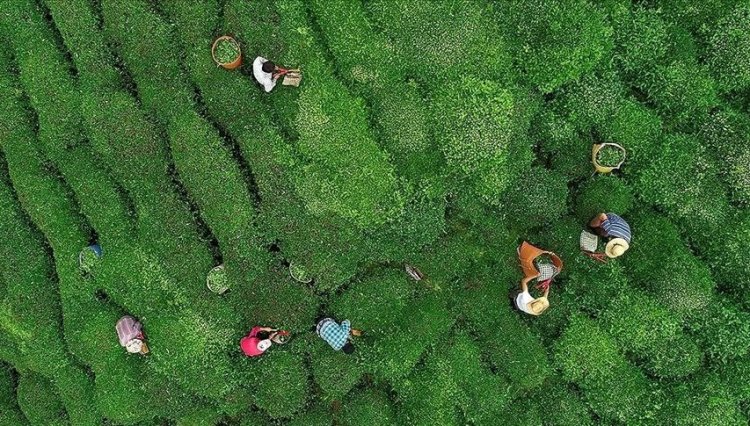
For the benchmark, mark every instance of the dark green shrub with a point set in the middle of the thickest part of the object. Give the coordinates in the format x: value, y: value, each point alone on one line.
x: 537, y: 196
x: 682, y: 91
x: 387, y: 293
x: 724, y: 133
x: 280, y: 383
x: 649, y: 331
x: 335, y: 372
x: 561, y: 146
x: 368, y: 408
x: 704, y: 400
x: 10, y: 413
x: 39, y: 401
x: 723, y: 330
x: 730, y: 50
x: 642, y: 38
x: 588, y: 357
x: 604, y: 193
x: 439, y: 40
x: 481, y: 124
x: 555, y: 42
x: 506, y: 342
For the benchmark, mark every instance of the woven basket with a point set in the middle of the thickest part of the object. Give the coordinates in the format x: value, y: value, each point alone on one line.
x: 606, y: 169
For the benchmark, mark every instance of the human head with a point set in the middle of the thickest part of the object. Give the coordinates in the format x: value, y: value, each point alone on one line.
x: 264, y: 344
x: 134, y: 346
x: 269, y: 67
x: 539, y: 305
x: 616, y: 247
x: 348, y: 348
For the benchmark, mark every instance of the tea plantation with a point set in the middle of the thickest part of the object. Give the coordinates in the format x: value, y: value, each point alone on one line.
x: 433, y: 133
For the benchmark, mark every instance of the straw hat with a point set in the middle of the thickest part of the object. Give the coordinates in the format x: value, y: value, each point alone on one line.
x: 539, y: 305
x: 616, y: 247
x: 264, y: 344
x: 134, y: 346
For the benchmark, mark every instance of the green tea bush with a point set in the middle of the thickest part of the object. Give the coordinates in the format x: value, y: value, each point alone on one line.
x: 439, y: 40
x: 39, y: 402
x: 638, y: 129
x: 439, y: 134
x: 555, y: 42
x: 536, y: 196
x: 682, y: 90
x: 723, y: 330
x: 642, y: 39
x: 723, y: 133
x: 428, y: 395
x: 335, y: 372
x: 730, y: 50
x: 483, y: 394
x: 588, y: 357
x: 10, y: 413
x: 481, y: 125
x: 505, y: 340
x: 397, y: 352
x: 368, y: 408
x: 707, y: 400
x: 396, y: 105
x: 280, y: 385
x: 561, y: 145
x: 672, y: 274
x: 388, y: 292
x: 649, y: 331
x: 603, y: 194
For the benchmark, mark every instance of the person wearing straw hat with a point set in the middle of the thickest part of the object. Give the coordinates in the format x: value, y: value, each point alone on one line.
x: 130, y: 334
x: 525, y: 302
x: 612, y: 226
x: 257, y: 342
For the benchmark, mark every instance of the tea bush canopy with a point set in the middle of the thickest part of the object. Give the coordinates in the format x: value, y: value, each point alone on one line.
x: 438, y: 134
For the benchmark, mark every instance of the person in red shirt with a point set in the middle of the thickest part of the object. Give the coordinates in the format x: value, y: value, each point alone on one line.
x: 260, y: 339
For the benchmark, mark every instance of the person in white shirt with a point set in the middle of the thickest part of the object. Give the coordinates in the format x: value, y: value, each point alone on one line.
x: 527, y: 303
x: 263, y: 71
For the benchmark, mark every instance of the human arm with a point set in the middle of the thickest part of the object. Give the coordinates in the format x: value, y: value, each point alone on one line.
x: 525, y: 283
x: 597, y: 221
x: 346, y: 327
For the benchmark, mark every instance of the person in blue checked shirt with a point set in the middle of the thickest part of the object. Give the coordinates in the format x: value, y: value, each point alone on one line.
x: 337, y: 335
x: 612, y: 226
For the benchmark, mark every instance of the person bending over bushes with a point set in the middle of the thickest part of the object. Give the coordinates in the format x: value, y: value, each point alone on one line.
x: 130, y: 334
x: 260, y: 339
x: 337, y: 335
x: 612, y: 226
x: 266, y: 73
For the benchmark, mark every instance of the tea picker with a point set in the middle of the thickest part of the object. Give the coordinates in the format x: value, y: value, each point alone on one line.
x: 130, y: 335
x: 267, y: 73
x: 536, y: 264
x: 338, y: 336
x: 612, y: 227
x: 260, y: 339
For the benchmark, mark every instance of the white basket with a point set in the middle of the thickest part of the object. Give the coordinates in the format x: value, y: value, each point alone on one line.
x: 589, y: 242
x: 214, y: 288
